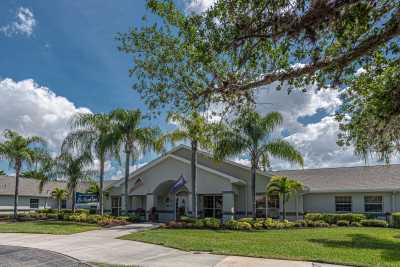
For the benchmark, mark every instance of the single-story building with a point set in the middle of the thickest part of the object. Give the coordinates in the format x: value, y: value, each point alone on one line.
x: 30, y: 197
x: 162, y: 188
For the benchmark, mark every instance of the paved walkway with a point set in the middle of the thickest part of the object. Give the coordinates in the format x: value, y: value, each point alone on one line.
x: 101, y: 246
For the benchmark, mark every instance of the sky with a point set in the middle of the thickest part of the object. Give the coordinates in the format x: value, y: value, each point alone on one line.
x: 58, y: 58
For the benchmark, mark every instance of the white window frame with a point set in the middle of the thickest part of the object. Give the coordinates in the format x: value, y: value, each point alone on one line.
x: 343, y: 203
x: 34, y: 206
x: 374, y: 203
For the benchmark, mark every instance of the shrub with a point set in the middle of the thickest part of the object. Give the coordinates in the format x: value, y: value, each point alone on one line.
x: 355, y: 224
x: 313, y: 217
x: 187, y: 219
x: 244, y: 226
x: 258, y: 225
x: 53, y: 216
x: 300, y: 223
x: 212, y: 223
x: 248, y: 220
x: 374, y: 223
x: 343, y: 223
x: 134, y: 218
x: 46, y: 211
x: 396, y: 219
x: 198, y: 224
x: 232, y: 225
x: 333, y: 218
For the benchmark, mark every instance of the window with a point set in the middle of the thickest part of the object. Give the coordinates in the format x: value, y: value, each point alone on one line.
x: 273, y: 204
x: 260, y: 206
x: 34, y: 203
x: 343, y: 203
x: 373, y: 203
x: 64, y: 204
x: 212, y: 206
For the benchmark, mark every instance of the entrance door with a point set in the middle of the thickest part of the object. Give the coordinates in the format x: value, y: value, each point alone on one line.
x: 116, y: 206
x: 181, y: 204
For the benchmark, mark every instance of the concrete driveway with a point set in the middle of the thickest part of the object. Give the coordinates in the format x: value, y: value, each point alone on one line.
x: 101, y: 246
x: 24, y: 257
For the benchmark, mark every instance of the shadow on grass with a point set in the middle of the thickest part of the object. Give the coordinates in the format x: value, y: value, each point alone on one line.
x: 390, y: 248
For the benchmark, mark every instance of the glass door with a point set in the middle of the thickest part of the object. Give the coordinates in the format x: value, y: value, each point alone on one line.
x: 116, y: 206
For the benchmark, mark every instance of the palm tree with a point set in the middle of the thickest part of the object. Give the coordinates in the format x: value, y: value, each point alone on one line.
x: 2, y: 172
x: 128, y: 133
x: 75, y: 169
x: 195, y: 129
x: 92, y: 132
x: 250, y: 133
x: 18, y: 150
x: 59, y: 194
x: 94, y: 188
x: 285, y: 187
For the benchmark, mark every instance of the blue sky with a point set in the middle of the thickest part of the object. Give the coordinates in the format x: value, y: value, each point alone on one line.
x: 60, y: 57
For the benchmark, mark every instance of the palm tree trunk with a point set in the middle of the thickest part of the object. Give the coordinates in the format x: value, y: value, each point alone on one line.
x: 253, y: 187
x: 128, y: 153
x: 17, y: 171
x: 283, y: 207
x: 101, y: 209
x: 194, y: 174
x: 73, y: 200
x: 59, y: 204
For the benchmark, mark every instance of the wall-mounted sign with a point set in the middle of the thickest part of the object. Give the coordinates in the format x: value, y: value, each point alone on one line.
x: 82, y: 198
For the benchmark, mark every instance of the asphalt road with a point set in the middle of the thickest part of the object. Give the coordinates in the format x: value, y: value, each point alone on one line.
x: 12, y: 256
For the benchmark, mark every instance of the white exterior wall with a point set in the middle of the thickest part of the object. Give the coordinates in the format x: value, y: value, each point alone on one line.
x: 325, y: 202
x: 7, y: 203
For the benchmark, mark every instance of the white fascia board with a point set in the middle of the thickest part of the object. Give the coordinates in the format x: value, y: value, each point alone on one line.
x: 164, y: 157
x: 379, y: 190
x: 230, y: 178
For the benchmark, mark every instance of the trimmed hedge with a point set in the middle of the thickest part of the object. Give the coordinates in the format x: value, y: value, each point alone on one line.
x: 374, y: 223
x: 396, y: 219
x: 333, y: 218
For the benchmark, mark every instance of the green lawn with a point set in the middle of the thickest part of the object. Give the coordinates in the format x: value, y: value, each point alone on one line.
x: 46, y: 227
x: 353, y: 246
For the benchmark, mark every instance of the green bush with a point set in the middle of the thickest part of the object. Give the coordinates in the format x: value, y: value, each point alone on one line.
x: 333, y: 218
x: 187, y: 219
x: 198, y: 224
x: 53, y: 216
x: 313, y: 217
x: 212, y: 223
x: 248, y: 220
x: 134, y: 218
x: 300, y: 223
x: 343, y: 223
x: 232, y: 225
x: 258, y: 225
x: 356, y: 224
x: 244, y: 226
x: 374, y: 223
x: 45, y: 211
x: 396, y: 219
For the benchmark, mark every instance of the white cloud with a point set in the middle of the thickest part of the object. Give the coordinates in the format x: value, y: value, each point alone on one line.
x: 198, y: 6
x: 120, y: 172
x: 24, y: 23
x: 32, y: 109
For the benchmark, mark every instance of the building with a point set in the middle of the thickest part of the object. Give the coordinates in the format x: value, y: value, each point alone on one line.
x: 30, y: 197
x: 223, y: 189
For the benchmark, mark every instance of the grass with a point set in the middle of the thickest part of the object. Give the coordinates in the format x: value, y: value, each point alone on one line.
x: 345, y: 245
x: 46, y: 227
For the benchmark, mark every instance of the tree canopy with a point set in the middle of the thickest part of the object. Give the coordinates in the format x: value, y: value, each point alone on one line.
x: 223, y: 54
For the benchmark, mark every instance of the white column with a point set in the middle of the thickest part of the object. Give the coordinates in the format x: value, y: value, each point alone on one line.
x: 297, y: 206
x: 393, y: 201
x: 228, y: 205
x: 150, y: 203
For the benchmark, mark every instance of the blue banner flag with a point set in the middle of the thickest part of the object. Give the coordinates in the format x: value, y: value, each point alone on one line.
x: 179, y: 183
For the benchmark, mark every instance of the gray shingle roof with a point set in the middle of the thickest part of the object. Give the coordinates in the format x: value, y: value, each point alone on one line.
x: 30, y: 187
x: 348, y: 179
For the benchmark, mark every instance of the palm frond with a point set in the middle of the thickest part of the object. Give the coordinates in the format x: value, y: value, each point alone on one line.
x: 284, y: 150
